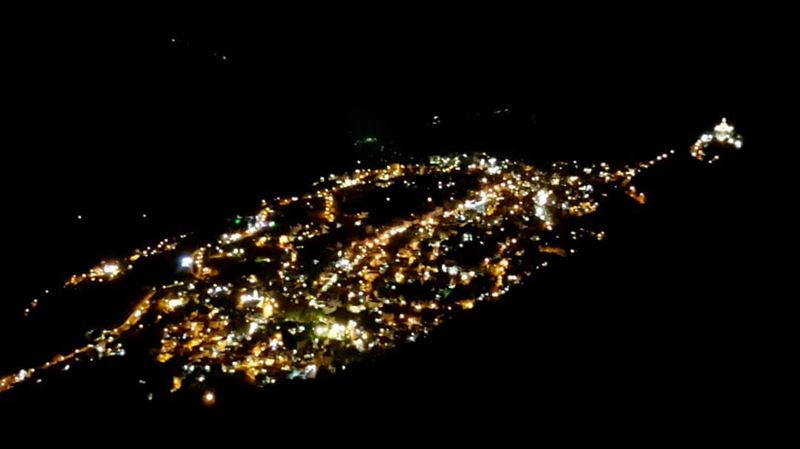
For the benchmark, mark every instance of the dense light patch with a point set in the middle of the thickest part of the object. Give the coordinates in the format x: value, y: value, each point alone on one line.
x: 369, y: 260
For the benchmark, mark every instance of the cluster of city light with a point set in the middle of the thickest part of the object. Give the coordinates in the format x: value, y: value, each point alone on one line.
x: 723, y: 134
x: 371, y: 259
x: 108, y: 270
x: 111, y: 269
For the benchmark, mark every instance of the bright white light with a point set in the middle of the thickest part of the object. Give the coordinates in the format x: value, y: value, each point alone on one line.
x: 310, y: 371
x: 473, y: 205
x: 344, y: 264
x: 209, y: 398
x: 187, y: 262
x: 173, y: 303
x: 253, y: 297
x: 542, y: 197
x: 335, y: 331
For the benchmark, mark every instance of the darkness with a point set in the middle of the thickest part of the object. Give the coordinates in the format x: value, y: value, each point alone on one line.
x: 686, y: 308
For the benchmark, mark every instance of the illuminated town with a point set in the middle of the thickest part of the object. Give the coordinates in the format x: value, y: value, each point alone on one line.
x: 368, y: 261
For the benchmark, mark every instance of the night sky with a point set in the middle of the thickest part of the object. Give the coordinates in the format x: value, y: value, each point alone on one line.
x: 114, y: 141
